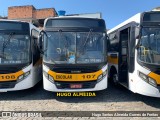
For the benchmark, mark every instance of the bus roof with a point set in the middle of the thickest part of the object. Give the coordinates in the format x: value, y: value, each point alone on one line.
x: 72, y: 17
x: 13, y: 20
x: 30, y: 24
x: 61, y: 17
x: 136, y: 18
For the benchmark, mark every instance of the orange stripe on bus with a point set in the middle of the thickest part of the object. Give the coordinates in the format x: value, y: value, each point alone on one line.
x: 75, y: 77
x: 10, y: 77
x: 154, y: 76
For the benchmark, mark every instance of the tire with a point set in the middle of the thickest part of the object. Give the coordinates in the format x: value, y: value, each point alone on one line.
x: 115, y: 79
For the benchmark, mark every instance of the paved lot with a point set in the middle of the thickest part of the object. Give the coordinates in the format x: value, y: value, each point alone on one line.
x: 111, y: 99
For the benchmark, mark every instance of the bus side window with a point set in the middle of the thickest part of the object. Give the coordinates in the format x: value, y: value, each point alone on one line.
x: 113, y: 42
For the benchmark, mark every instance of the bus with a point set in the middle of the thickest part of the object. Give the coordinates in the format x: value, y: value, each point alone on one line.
x: 74, y: 54
x: 20, y: 60
x: 134, y: 54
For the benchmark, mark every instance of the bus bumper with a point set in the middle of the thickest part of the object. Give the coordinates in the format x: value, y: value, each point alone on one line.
x: 145, y: 88
x: 21, y: 85
x: 49, y: 86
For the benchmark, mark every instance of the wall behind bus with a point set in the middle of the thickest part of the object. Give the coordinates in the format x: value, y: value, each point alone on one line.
x: 29, y: 13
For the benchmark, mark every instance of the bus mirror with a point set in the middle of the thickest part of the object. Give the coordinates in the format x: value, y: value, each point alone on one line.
x: 39, y: 44
x: 108, y: 44
x: 137, y: 30
x: 42, y: 41
x: 137, y: 46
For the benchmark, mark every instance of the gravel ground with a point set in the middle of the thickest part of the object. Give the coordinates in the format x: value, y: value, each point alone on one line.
x: 111, y: 99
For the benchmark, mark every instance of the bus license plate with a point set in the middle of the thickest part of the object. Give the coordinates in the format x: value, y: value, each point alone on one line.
x: 75, y: 86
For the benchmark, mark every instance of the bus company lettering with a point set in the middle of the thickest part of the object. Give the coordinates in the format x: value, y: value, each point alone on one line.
x: 64, y: 94
x: 76, y: 94
x: 63, y: 77
x: 84, y: 94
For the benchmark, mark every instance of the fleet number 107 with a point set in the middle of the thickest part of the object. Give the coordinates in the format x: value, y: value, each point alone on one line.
x: 88, y: 76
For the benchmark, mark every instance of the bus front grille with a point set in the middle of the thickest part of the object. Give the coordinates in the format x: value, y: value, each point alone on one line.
x: 5, y: 85
x: 69, y: 70
x: 157, y: 72
x: 66, y: 85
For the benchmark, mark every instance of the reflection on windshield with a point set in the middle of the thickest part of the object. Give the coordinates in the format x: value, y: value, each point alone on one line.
x: 149, y: 50
x: 15, y: 50
x: 72, y: 48
x: 90, y: 50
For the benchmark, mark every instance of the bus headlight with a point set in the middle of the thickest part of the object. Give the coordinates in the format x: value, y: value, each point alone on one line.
x: 26, y: 74
x: 50, y: 78
x: 105, y: 73
x: 23, y: 76
x: 20, y: 77
x: 152, y: 82
x: 101, y: 76
x: 45, y: 74
x: 143, y: 76
x: 148, y: 79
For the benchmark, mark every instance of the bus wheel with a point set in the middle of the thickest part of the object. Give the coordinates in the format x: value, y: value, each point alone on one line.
x: 115, y: 79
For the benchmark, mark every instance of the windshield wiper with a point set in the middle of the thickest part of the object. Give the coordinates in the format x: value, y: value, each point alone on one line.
x: 6, y: 42
x: 88, y: 36
x: 60, y: 36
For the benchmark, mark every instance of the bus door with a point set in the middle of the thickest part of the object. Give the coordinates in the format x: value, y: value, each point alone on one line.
x: 123, y: 56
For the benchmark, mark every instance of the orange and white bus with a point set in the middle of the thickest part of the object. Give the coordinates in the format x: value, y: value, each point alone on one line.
x: 74, y: 57
x: 134, y: 54
x: 20, y: 66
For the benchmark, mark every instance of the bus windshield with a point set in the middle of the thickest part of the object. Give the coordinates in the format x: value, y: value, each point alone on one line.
x: 14, y: 49
x: 149, y: 50
x: 75, y: 48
